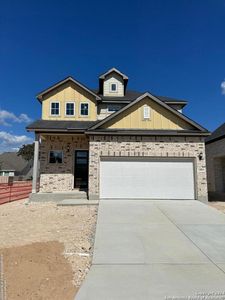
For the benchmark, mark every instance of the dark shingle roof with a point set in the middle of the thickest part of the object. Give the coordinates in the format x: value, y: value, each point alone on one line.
x: 217, y: 134
x: 129, y: 96
x: 133, y: 95
x: 48, y: 125
x: 169, y: 99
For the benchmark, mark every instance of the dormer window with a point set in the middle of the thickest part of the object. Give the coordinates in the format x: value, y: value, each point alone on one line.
x: 113, y: 83
x: 113, y: 87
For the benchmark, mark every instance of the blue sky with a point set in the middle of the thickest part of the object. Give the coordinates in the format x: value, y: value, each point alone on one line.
x: 172, y: 48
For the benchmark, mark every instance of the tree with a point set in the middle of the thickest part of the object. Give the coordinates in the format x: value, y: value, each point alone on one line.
x: 26, y: 151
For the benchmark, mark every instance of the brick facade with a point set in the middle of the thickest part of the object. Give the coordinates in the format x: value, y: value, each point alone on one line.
x: 59, y: 177
x: 153, y: 146
x: 215, y: 159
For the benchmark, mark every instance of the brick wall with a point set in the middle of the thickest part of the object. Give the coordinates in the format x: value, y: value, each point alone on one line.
x: 59, y: 177
x: 215, y: 160
x: 146, y: 146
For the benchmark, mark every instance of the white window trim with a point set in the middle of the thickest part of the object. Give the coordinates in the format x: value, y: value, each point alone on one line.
x: 146, y: 117
x: 84, y: 116
x: 50, y: 113
x: 55, y: 150
x: 110, y: 87
x: 74, y: 109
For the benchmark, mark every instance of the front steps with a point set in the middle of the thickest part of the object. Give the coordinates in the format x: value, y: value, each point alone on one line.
x: 74, y: 202
x: 58, y: 196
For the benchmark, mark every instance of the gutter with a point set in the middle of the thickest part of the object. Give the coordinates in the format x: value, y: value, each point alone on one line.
x: 147, y: 133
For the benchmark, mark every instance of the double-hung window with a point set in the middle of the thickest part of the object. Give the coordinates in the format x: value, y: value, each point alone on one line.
x: 84, y: 109
x: 55, y: 109
x: 70, y: 109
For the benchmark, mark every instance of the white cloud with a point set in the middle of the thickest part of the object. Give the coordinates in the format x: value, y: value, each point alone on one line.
x: 10, y: 142
x: 223, y: 87
x: 6, y: 117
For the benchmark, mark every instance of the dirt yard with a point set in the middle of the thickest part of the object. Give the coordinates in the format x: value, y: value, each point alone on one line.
x: 218, y: 205
x: 46, y: 250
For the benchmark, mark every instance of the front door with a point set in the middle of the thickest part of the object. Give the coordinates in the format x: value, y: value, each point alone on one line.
x: 81, y: 169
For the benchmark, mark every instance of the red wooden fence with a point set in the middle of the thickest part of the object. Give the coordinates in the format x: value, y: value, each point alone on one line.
x: 14, y: 191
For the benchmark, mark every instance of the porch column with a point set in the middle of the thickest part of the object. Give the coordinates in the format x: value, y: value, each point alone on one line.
x: 35, y: 166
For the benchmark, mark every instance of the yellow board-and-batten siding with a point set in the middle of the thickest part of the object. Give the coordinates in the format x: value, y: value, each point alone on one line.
x: 133, y: 118
x: 69, y: 92
x: 160, y: 118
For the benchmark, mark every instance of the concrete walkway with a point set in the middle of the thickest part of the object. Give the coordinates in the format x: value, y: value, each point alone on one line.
x: 156, y: 250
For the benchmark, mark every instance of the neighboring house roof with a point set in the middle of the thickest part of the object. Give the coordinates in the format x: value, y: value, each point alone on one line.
x: 154, y: 98
x: 72, y: 126
x: 67, y: 79
x: 217, y: 134
x: 10, y: 161
x: 103, y: 76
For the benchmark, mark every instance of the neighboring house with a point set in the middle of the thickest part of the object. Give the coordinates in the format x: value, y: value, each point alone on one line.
x: 7, y: 172
x: 13, y: 165
x: 118, y: 143
x: 215, y: 159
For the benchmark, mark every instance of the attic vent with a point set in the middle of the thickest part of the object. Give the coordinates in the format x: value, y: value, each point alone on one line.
x: 146, y: 112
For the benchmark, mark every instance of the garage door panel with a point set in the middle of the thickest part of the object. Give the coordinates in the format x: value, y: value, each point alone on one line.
x: 146, y: 179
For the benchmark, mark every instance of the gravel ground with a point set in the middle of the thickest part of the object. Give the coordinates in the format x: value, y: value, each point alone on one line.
x: 25, y: 223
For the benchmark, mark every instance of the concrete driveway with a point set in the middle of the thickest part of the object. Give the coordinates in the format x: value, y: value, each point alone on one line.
x: 157, y: 250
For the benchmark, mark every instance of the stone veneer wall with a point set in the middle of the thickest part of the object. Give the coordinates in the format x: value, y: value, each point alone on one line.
x: 215, y: 161
x: 59, y: 177
x: 153, y: 146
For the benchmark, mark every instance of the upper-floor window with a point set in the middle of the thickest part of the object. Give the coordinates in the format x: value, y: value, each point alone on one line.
x: 146, y: 112
x: 113, y: 87
x: 84, y: 109
x: 70, y: 109
x: 55, y: 109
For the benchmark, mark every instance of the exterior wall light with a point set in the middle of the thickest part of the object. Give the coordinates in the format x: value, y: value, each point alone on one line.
x: 200, y: 156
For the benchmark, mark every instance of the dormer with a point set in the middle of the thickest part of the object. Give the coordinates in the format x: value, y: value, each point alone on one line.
x: 113, y: 83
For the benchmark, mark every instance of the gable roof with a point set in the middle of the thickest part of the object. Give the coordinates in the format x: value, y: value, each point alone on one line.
x: 154, y: 98
x: 217, y: 134
x: 113, y: 70
x: 61, y: 82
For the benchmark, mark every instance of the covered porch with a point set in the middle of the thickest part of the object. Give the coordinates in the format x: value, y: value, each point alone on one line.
x: 61, y: 164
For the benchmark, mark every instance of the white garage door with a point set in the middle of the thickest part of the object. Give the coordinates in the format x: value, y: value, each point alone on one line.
x: 137, y: 178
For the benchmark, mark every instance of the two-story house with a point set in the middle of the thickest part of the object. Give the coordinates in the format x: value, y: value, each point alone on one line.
x: 117, y: 143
